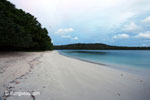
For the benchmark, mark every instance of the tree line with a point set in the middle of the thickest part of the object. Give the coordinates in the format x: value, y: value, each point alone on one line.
x: 96, y: 46
x: 20, y: 30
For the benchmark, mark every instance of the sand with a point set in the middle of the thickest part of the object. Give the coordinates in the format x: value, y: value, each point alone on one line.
x: 51, y: 76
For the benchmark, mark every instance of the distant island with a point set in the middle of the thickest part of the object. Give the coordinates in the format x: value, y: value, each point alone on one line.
x: 96, y: 46
x: 20, y: 30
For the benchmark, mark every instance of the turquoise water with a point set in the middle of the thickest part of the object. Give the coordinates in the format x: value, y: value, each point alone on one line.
x: 131, y: 58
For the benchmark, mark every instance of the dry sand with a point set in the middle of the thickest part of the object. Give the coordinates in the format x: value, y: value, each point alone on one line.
x: 56, y: 77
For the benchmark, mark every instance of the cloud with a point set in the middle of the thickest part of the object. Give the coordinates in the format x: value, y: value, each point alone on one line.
x: 75, y: 38
x: 145, y: 35
x: 66, y: 30
x: 131, y: 27
x: 146, y: 20
x: 144, y: 45
x: 60, y: 12
x: 66, y: 36
x: 122, y: 36
x: 90, y: 17
x: 69, y: 37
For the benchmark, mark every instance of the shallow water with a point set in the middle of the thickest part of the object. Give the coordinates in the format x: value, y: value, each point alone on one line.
x: 134, y: 59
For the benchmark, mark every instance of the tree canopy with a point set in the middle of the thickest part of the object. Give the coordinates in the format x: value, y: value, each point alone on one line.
x: 96, y: 46
x: 20, y: 30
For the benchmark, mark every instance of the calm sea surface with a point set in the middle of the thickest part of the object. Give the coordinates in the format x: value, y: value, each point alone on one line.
x: 133, y: 59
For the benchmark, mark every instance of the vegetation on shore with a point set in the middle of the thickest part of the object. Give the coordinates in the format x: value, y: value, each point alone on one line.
x: 20, y: 30
x: 96, y: 46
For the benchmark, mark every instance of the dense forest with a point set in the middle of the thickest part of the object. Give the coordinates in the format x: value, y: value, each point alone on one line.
x: 20, y: 30
x: 96, y: 46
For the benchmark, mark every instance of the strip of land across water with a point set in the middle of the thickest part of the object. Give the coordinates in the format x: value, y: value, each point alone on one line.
x: 52, y: 76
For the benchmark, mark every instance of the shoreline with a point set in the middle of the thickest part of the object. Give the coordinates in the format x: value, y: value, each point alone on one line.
x: 126, y: 68
x: 59, y: 77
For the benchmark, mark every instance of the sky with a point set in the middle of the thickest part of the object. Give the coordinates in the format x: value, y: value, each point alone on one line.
x: 113, y: 22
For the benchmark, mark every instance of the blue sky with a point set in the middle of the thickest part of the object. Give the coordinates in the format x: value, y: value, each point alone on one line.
x: 114, y: 22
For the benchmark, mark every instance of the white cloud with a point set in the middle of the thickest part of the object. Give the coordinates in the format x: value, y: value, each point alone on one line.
x: 57, y: 12
x: 144, y: 45
x: 75, y: 38
x: 131, y: 27
x: 145, y: 35
x: 122, y: 36
x: 52, y: 41
x: 146, y: 20
x: 69, y: 37
x: 66, y: 30
x: 66, y: 36
x: 84, y: 15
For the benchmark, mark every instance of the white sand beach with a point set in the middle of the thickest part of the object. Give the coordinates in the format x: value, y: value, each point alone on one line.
x: 56, y: 77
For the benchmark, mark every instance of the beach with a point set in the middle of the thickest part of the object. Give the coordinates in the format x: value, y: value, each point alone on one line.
x: 52, y: 76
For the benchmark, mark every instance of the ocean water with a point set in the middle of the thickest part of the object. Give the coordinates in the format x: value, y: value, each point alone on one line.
x: 127, y: 59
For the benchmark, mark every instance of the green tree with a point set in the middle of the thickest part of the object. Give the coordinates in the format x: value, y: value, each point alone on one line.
x: 20, y: 30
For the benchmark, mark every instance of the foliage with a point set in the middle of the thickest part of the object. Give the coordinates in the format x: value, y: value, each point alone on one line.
x: 96, y: 46
x: 20, y: 30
